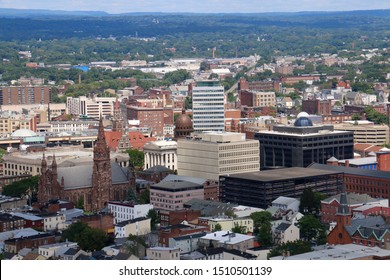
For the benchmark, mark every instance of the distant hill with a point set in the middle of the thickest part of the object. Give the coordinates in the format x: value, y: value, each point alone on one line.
x: 27, y: 13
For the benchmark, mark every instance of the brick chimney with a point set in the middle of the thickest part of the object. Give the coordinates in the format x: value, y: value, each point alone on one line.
x: 383, y: 161
x: 346, y: 163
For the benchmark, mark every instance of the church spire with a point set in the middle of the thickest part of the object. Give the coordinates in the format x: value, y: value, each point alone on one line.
x: 343, y: 214
x: 101, y: 150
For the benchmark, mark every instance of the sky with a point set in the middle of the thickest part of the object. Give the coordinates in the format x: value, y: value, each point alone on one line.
x: 198, y: 6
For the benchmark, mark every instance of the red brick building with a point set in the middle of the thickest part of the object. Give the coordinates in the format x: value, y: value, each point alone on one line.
x: 9, y: 222
x: 168, y: 218
x: 16, y: 244
x: 177, y: 230
x: 375, y: 183
x: 152, y: 118
x: 16, y: 95
x: 317, y: 107
x: 330, y: 206
x: 259, y: 85
x: 105, y: 222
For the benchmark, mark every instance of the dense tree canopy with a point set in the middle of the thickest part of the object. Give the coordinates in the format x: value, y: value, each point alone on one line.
x: 89, y: 239
x: 26, y: 187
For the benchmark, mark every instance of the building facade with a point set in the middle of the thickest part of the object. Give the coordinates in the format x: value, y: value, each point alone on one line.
x: 94, y: 184
x: 171, y: 195
x: 210, y: 155
x: 259, y: 189
x: 123, y: 211
x: 208, y: 106
x: 15, y: 95
x: 366, y: 132
x: 161, y: 153
x: 302, y: 144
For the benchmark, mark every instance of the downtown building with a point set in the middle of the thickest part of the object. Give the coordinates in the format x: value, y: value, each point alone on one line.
x: 212, y: 154
x: 302, y: 144
x: 208, y: 106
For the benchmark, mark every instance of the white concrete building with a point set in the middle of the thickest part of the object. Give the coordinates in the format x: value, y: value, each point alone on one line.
x: 72, y: 126
x: 212, y: 154
x: 54, y: 222
x: 56, y: 250
x: 138, y: 226
x: 285, y: 232
x: 286, y: 203
x: 163, y: 253
x: 161, y: 153
x: 208, y: 106
x: 126, y: 211
x: 186, y: 243
x: 99, y: 106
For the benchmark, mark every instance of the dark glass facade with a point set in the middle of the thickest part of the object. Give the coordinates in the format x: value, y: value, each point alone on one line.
x: 300, y: 147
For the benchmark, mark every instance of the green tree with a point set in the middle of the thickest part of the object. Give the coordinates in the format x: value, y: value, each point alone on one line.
x: 135, y: 245
x: 262, y: 227
x: 89, y: 239
x: 230, y: 213
x: 25, y: 187
x: 80, y: 202
x: 154, y: 218
x: 136, y: 158
x: 217, y: 227
x: 144, y: 197
x: 188, y: 103
x: 311, y: 229
x: 238, y: 229
x: 293, y: 247
x: 311, y: 201
x: 176, y: 77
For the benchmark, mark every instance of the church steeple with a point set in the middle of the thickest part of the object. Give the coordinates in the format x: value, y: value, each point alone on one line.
x: 117, y: 120
x: 101, y: 151
x: 101, y: 173
x: 343, y: 214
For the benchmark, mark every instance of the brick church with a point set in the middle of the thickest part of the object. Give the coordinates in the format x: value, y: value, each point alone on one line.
x: 94, y: 183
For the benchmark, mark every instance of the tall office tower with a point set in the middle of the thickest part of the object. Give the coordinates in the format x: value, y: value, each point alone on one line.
x: 208, y: 106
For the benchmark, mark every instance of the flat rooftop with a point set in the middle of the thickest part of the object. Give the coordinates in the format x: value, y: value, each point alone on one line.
x: 283, y: 174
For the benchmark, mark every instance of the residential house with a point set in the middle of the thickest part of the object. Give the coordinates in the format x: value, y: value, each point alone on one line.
x: 186, y: 243
x: 285, y: 232
x: 227, y: 240
x: 163, y: 253
x: 138, y: 226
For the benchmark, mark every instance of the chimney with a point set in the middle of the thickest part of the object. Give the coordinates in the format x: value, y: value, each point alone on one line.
x: 346, y: 163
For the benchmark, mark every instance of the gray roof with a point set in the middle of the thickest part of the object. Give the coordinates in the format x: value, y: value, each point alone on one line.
x: 353, y: 198
x: 81, y: 176
x: 157, y: 169
x: 282, y: 227
x: 369, y: 222
x: 172, y: 177
x: 189, y: 236
x: 351, y: 170
x: 175, y: 185
x: 284, y: 200
x: 209, y: 207
x: 283, y: 174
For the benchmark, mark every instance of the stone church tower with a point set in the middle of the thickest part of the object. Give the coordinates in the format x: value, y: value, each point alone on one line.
x: 101, y: 173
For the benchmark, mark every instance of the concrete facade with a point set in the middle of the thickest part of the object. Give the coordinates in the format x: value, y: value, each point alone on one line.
x: 161, y: 153
x: 210, y: 155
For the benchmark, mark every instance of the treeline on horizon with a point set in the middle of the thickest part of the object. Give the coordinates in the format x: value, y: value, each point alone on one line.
x: 74, y: 38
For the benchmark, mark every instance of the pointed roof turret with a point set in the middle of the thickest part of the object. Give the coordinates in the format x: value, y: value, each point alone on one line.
x: 343, y: 208
x: 44, y: 162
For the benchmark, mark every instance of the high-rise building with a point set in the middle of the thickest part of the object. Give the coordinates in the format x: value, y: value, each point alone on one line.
x: 15, y: 95
x: 302, y: 144
x: 208, y: 106
x: 210, y: 155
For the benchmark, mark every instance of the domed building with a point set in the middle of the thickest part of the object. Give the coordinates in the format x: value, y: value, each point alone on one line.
x: 183, y: 126
x: 303, y: 121
x: 22, y: 133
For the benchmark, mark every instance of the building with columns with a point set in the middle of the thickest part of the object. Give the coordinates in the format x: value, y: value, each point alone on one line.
x: 161, y: 153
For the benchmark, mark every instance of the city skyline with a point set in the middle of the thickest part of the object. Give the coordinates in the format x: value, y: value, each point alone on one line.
x: 200, y: 6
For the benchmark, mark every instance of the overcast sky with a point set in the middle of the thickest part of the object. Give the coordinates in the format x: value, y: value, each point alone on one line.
x: 198, y: 6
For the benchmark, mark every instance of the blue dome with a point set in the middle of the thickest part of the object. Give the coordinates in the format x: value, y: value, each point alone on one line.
x: 303, y: 121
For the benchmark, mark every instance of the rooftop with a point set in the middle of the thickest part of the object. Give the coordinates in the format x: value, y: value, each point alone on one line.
x: 227, y: 237
x: 351, y: 170
x: 283, y: 174
x: 340, y: 252
x: 354, y: 199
